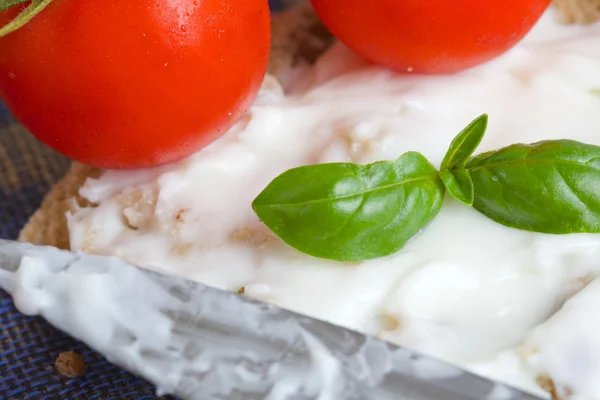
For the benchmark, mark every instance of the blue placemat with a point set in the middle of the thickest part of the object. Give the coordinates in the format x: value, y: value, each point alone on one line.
x: 29, y: 346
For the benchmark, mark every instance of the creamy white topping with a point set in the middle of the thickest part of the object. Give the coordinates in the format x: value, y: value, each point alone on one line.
x: 466, y: 289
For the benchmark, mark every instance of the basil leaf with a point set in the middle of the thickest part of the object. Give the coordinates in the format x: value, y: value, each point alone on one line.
x: 465, y: 143
x: 459, y: 184
x: 349, y: 212
x: 549, y: 187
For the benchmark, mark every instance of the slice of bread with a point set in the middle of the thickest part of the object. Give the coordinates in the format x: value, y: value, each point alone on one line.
x: 297, y: 37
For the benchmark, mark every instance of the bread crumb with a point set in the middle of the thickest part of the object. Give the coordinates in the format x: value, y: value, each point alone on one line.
x: 585, y: 280
x: 70, y: 364
x: 181, y: 249
x: 138, y: 207
x: 241, y: 290
x: 528, y: 350
x: 578, y: 11
x: 179, y: 215
x: 389, y: 322
x: 89, y: 241
x: 250, y: 236
x: 548, y: 385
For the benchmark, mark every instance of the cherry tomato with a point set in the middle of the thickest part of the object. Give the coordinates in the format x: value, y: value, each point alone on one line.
x: 135, y: 83
x: 430, y: 36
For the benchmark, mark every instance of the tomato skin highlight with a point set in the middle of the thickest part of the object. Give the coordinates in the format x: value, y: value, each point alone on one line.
x: 434, y: 36
x: 136, y: 83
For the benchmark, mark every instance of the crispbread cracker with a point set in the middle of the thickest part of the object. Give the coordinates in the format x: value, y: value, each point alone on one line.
x: 48, y: 225
x: 296, y: 36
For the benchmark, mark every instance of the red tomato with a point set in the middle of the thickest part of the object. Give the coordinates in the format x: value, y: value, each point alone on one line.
x: 135, y: 83
x: 430, y: 36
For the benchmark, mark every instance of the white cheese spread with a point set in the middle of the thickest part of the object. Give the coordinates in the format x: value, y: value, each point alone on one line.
x: 465, y: 289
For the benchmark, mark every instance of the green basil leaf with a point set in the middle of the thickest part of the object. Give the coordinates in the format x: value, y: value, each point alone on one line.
x: 6, y: 4
x: 465, y: 143
x: 349, y: 212
x: 549, y: 187
x: 459, y: 184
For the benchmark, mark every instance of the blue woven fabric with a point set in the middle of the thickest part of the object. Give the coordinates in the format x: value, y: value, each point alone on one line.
x: 30, y: 346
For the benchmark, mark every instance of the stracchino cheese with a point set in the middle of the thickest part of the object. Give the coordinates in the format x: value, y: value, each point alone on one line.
x: 465, y: 289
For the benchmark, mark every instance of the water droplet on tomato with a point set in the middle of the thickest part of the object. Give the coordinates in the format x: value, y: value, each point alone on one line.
x: 12, y: 75
x: 183, y: 28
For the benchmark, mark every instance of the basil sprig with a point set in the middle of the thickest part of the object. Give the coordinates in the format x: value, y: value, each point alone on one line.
x: 453, y: 173
x: 350, y: 212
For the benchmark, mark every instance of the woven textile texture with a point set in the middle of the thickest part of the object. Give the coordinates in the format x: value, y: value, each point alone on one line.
x: 30, y: 346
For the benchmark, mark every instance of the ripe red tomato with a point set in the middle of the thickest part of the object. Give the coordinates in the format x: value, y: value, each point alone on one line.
x: 430, y: 36
x: 135, y: 83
